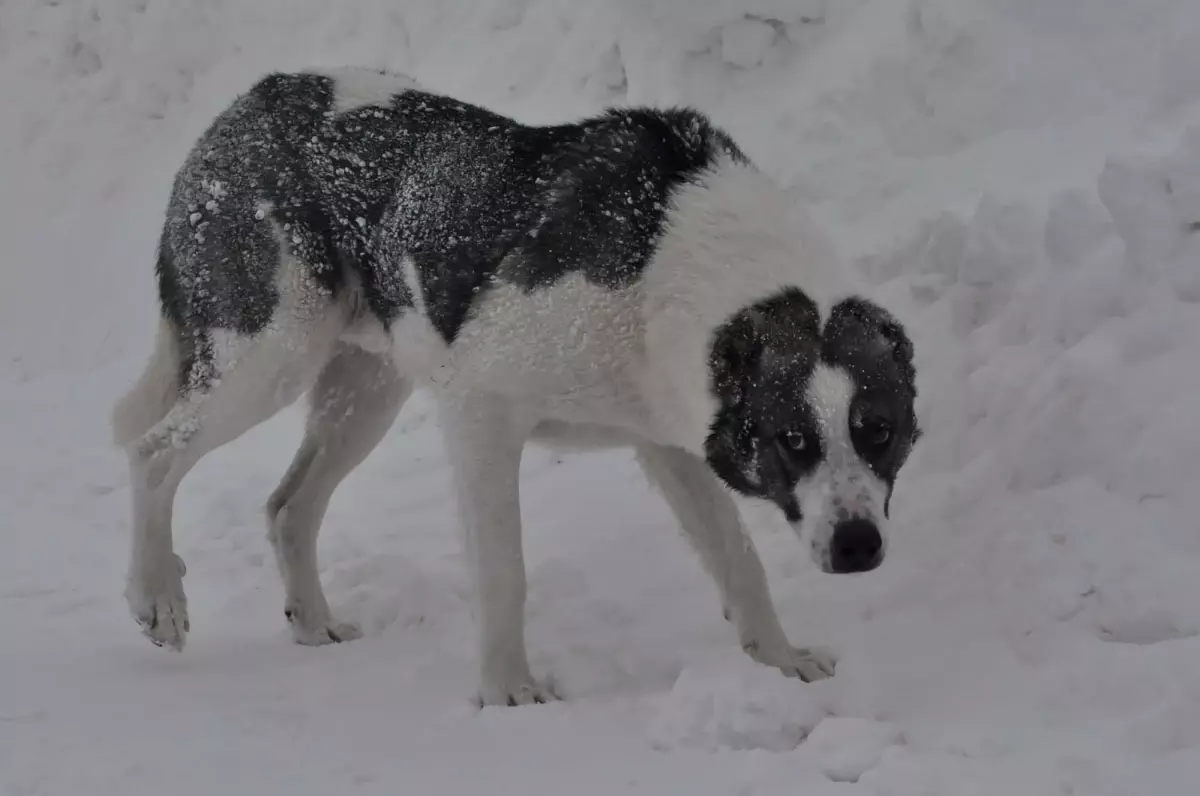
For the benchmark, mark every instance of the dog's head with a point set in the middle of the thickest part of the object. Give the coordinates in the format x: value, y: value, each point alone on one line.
x: 816, y: 417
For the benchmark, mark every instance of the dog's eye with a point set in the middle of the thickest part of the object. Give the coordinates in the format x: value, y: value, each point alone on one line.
x: 877, y: 432
x: 795, y: 440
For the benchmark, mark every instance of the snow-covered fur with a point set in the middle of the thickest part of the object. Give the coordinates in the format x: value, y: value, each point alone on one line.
x: 630, y: 279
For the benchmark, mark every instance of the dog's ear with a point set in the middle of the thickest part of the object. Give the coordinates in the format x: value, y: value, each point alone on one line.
x: 737, y: 354
x: 902, y: 352
x: 893, y: 332
x: 906, y: 445
x: 785, y: 326
x: 859, y: 324
x: 901, y: 347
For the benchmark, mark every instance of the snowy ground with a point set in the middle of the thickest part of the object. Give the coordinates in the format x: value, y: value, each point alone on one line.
x: 1020, y: 178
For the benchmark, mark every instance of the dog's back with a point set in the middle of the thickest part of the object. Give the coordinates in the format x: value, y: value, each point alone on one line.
x: 352, y: 187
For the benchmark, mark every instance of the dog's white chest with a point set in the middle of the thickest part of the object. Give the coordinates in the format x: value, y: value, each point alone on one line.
x: 572, y: 350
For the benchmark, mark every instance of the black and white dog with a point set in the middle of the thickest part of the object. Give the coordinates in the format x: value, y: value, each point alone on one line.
x: 627, y: 280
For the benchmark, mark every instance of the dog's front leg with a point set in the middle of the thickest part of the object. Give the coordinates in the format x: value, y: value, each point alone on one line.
x: 710, y: 520
x: 484, y: 437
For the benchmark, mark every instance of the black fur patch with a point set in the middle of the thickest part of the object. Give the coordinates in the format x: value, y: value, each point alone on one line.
x: 218, y: 256
x: 469, y: 196
x: 486, y: 199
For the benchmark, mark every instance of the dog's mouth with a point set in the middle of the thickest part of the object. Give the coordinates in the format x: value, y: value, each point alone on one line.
x: 829, y: 569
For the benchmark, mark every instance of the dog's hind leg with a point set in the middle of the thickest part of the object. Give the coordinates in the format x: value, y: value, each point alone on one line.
x: 232, y: 384
x: 355, y: 401
x: 709, y: 518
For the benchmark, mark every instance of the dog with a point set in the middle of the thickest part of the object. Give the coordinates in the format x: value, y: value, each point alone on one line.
x: 631, y: 279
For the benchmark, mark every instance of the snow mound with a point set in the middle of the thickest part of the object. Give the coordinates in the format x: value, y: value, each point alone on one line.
x: 1071, y: 323
x: 845, y: 747
x: 738, y: 706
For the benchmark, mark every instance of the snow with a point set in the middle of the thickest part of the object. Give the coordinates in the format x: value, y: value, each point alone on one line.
x: 735, y: 705
x: 745, y: 42
x: 1019, y: 179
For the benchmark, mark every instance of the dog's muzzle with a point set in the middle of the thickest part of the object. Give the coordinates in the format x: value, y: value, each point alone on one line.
x: 856, y: 546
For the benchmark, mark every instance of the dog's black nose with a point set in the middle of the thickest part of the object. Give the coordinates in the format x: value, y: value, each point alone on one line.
x: 856, y: 546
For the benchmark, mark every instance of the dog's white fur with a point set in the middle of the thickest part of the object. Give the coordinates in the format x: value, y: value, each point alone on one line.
x: 842, y: 486
x: 574, y: 364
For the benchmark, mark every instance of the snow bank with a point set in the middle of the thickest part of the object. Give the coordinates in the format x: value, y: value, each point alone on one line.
x: 1020, y: 179
x: 736, y: 706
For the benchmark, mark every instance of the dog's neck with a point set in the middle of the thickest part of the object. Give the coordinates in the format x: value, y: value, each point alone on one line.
x: 731, y: 240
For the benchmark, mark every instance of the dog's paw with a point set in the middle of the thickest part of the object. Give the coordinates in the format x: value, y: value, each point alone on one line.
x: 526, y: 692
x: 809, y: 664
x: 159, y: 606
x: 320, y: 630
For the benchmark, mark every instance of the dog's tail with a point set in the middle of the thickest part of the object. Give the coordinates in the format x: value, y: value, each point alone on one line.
x: 155, y: 392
